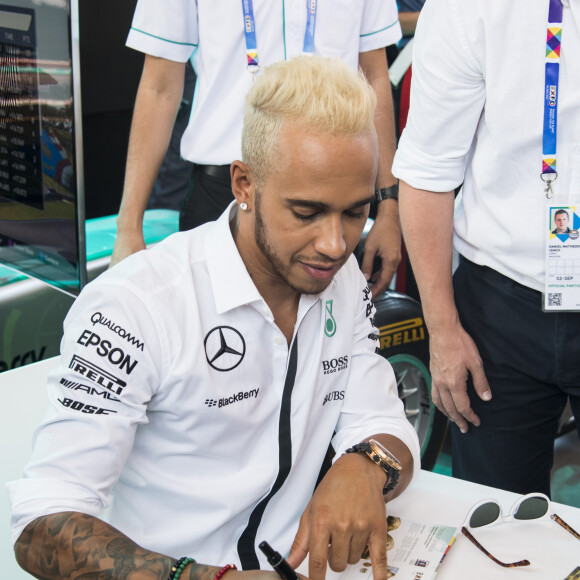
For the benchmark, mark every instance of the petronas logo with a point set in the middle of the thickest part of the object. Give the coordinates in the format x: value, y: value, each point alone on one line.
x: 329, y: 322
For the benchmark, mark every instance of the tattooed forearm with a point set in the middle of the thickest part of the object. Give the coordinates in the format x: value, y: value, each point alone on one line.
x: 74, y: 546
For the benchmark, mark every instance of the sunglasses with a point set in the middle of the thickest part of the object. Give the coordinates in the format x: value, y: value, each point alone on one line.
x: 531, y: 507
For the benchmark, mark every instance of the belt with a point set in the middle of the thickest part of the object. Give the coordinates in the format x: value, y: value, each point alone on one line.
x: 220, y: 171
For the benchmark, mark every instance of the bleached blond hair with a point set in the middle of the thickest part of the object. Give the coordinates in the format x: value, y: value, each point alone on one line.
x: 322, y: 94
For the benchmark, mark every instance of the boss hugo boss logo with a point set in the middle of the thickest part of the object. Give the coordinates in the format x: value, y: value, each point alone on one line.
x: 97, y: 375
x: 236, y: 398
x: 225, y: 348
x: 105, y: 349
x: 333, y: 396
x: 335, y: 365
x: 98, y: 318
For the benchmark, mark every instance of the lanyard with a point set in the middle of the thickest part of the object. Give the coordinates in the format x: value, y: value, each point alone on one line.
x: 553, y: 45
x: 250, y: 32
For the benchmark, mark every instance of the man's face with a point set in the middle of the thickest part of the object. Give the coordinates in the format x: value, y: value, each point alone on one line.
x: 313, y: 207
x: 561, y: 221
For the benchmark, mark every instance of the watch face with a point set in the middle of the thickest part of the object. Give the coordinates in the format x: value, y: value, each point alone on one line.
x: 385, y: 454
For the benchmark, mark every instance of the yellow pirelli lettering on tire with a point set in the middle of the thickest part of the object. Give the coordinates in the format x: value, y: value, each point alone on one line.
x: 404, y: 332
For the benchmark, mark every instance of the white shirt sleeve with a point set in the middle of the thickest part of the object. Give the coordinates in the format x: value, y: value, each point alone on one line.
x: 371, y: 404
x: 110, y: 368
x: 167, y: 29
x: 380, y: 25
x: 447, y: 98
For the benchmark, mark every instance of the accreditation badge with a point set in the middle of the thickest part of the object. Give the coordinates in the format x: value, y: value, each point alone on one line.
x: 562, y: 291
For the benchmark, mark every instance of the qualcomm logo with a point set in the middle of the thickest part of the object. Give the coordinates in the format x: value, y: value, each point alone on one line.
x: 225, y: 348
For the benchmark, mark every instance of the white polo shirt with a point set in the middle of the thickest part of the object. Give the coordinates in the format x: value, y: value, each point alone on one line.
x: 179, y: 406
x: 212, y: 34
x: 476, y: 118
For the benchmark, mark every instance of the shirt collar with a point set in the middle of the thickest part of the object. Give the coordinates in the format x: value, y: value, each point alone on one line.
x: 231, y: 283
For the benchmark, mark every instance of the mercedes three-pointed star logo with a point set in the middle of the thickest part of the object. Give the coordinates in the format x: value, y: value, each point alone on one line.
x: 225, y: 348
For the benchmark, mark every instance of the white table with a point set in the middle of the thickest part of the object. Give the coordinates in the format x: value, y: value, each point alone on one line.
x: 431, y: 498
x: 552, y: 551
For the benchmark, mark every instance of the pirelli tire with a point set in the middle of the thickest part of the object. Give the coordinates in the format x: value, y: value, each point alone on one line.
x: 404, y: 342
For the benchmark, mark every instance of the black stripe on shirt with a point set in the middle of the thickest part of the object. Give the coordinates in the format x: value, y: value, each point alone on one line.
x: 247, y: 542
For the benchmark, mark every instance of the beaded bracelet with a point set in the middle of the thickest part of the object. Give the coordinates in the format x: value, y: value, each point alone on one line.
x: 224, y: 570
x: 179, y: 566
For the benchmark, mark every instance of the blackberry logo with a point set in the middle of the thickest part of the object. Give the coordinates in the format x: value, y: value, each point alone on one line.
x: 235, y: 398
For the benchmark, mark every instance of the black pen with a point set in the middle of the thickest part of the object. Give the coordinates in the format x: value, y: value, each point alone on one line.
x: 284, y: 570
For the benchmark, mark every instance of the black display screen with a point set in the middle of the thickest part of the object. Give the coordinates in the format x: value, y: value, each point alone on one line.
x: 41, y: 217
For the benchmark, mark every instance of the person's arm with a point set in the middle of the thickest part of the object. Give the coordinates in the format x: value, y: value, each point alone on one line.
x: 347, y: 512
x: 71, y: 545
x: 427, y: 220
x: 156, y: 106
x: 408, y: 21
x: 384, y: 239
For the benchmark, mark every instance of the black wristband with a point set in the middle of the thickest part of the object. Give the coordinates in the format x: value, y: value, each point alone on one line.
x: 391, y: 192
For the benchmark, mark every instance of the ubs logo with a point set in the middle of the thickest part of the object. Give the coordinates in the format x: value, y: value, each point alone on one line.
x: 225, y: 348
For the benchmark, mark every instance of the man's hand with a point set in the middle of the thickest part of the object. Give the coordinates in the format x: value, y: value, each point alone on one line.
x: 346, y: 513
x: 383, y: 241
x: 126, y: 243
x: 453, y: 356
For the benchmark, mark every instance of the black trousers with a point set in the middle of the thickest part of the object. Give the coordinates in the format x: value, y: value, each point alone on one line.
x: 532, y: 362
x: 210, y: 192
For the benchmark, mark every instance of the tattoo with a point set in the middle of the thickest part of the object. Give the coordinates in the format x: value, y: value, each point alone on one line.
x: 76, y: 546
x: 201, y: 572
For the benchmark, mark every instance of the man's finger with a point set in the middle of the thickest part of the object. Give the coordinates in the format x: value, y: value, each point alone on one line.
x: 367, y: 262
x: 386, y: 275
x: 451, y: 410
x: 299, y: 549
x: 480, y: 383
x: 378, y: 553
x: 318, y: 553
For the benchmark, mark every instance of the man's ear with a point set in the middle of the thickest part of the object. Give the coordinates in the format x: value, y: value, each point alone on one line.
x: 243, y: 183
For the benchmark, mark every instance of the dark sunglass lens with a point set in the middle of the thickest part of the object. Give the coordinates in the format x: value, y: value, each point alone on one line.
x: 532, y: 508
x: 484, y: 515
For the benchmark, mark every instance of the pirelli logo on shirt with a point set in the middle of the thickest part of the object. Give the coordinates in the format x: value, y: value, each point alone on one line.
x: 97, y: 374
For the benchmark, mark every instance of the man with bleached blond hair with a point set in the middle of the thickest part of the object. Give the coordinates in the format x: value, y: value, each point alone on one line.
x: 259, y: 349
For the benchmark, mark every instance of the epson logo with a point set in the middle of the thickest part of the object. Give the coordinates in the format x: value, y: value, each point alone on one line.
x: 333, y: 396
x: 104, y: 348
x: 98, y: 318
x: 335, y: 365
x: 97, y: 374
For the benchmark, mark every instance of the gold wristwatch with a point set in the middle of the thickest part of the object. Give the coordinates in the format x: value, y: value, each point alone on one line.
x: 382, y: 457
